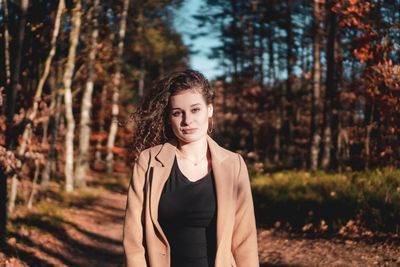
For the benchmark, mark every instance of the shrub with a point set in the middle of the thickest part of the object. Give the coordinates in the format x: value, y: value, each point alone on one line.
x: 301, y: 198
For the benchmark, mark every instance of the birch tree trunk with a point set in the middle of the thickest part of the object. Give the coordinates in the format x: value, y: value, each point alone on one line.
x: 84, y: 134
x: 34, y: 186
x: 6, y: 42
x: 316, y: 93
x: 115, y: 97
x: 67, y: 81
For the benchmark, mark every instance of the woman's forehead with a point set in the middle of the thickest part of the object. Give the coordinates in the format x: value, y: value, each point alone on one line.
x: 187, y: 98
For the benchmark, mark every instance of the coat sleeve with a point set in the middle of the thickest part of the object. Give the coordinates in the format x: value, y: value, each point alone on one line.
x: 133, y: 233
x: 244, y: 239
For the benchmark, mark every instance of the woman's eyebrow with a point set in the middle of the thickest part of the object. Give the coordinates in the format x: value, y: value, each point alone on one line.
x: 197, y: 104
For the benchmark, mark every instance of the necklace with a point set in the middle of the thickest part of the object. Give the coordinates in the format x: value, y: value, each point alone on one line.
x: 195, y: 163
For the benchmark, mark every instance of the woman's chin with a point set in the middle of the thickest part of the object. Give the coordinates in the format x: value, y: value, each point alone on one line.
x: 190, y: 138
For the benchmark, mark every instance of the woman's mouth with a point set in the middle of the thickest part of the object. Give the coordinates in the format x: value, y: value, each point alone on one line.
x: 189, y: 131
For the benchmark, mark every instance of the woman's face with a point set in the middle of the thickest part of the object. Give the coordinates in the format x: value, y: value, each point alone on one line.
x: 189, y: 114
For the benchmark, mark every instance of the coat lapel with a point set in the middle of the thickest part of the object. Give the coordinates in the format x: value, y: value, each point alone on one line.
x: 223, y: 187
x: 160, y: 173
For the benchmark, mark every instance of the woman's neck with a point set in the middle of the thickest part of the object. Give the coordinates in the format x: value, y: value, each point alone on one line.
x: 193, y: 150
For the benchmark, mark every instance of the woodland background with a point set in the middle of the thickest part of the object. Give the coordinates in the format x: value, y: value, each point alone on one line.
x: 308, y: 88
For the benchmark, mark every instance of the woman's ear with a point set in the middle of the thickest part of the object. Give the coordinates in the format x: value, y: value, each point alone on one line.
x: 210, y: 110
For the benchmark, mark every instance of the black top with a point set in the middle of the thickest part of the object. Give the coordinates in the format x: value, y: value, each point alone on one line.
x: 187, y: 215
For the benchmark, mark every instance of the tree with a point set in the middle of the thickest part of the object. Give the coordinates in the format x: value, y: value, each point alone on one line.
x: 330, y: 86
x: 67, y: 81
x: 316, y: 92
x: 84, y: 135
x: 116, y: 83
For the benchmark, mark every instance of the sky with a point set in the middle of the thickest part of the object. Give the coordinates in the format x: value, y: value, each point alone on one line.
x: 185, y: 24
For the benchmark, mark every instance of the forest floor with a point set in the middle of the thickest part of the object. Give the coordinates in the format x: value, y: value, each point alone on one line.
x: 87, y: 231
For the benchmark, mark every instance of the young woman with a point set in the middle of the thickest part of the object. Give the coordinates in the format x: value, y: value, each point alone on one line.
x: 189, y: 201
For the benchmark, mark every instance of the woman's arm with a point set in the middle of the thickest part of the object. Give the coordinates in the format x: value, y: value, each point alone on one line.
x: 133, y: 235
x: 244, y: 240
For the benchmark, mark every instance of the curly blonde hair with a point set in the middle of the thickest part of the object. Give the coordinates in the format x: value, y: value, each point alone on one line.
x: 151, y: 117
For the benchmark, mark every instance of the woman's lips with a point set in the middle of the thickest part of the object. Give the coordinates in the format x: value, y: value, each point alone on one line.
x: 189, y: 131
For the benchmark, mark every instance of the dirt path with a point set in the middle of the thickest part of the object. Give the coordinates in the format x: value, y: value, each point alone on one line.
x: 91, y: 236
x: 98, y: 228
x: 282, y: 249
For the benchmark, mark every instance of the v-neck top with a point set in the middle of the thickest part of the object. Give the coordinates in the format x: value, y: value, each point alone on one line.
x: 187, y: 214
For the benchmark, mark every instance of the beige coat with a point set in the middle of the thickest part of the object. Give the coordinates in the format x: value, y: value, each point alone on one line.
x: 145, y: 243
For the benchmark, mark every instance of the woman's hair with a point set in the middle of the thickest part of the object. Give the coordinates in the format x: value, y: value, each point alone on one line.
x: 151, y: 117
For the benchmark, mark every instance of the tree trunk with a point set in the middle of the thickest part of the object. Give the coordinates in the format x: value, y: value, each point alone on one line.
x: 3, y: 176
x: 141, y: 78
x: 261, y: 55
x: 34, y: 186
x: 336, y: 106
x: 271, y: 61
x: 67, y: 81
x: 54, y: 121
x: 277, y: 138
x: 3, y: 208
x: 115, y: 97
x: 12, y: 94
x: 278, y: 129
x: 235, y: 48
x: 99, y: 141
x: 369, y: 124
x: 45, y: 171
x: 84, y: 135
x: 288, y: 105
x: 316, y: 94
x: 6, y: 42
x: 330, y: 89
x: 142, y: 59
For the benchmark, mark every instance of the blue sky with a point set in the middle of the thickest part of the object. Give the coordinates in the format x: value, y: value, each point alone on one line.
x: 185, y: 24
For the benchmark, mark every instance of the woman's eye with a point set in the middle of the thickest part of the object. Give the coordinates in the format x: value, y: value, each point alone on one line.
x: 176, y: 113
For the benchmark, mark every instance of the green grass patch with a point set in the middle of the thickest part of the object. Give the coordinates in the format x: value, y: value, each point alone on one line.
x: 82, y: 197
x: 301, y: 198
x: 115, y: 183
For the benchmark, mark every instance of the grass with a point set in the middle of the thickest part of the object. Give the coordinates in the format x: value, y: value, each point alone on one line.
x: 300, y: 198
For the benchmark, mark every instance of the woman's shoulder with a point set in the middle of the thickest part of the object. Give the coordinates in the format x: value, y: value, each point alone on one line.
x: 148, y: 152
x: 222, y: 152
x: 153, y: 151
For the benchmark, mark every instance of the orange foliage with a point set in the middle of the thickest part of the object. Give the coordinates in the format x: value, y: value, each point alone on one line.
x: 120, y: 151
x: 368, y: 45
x: 364, y: 53
x: 99, y: 136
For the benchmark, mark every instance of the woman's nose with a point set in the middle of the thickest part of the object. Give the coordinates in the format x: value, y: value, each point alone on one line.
x: 187, y: 119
